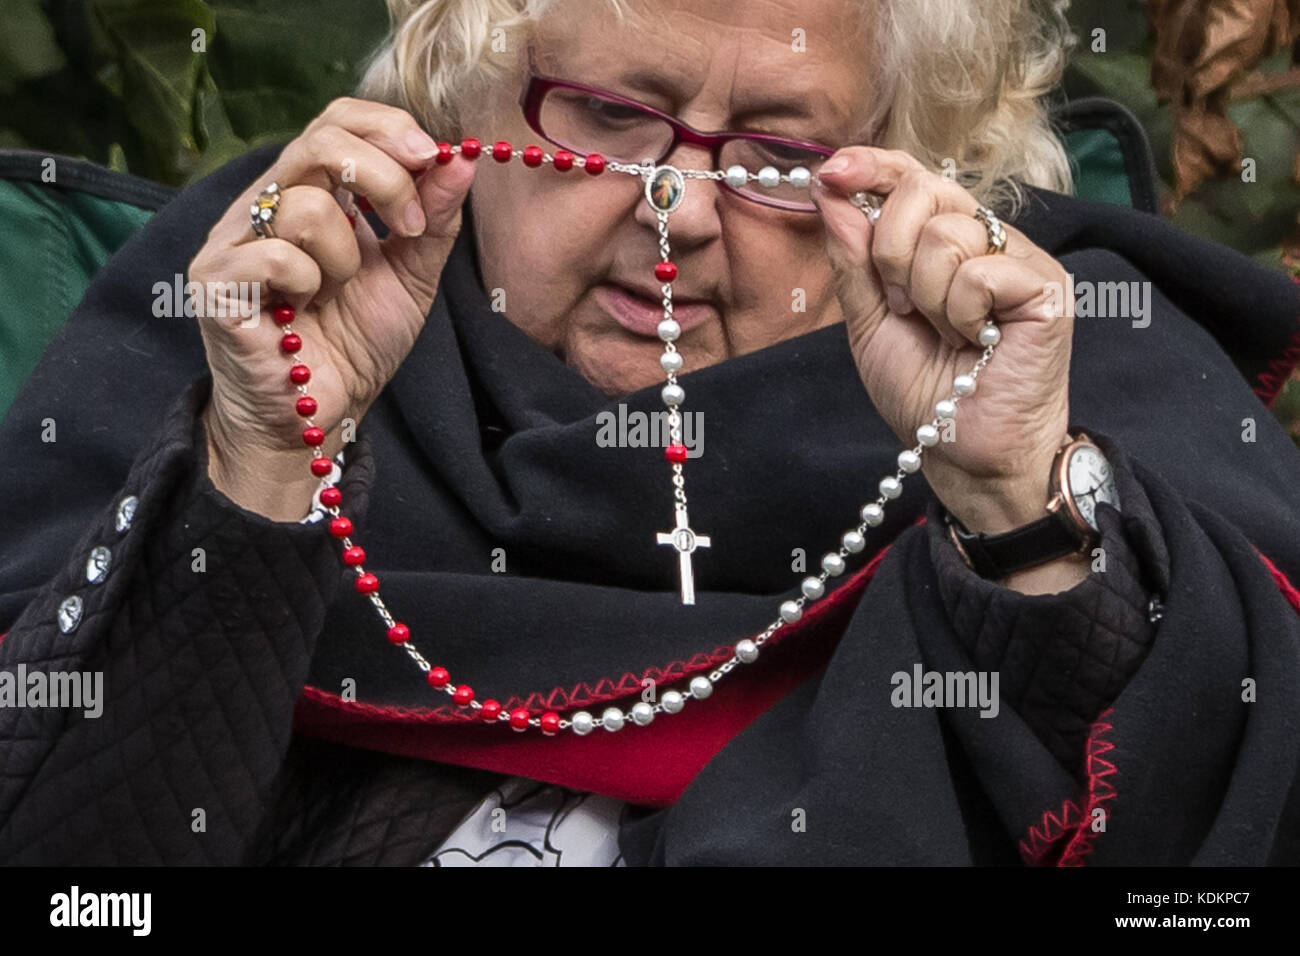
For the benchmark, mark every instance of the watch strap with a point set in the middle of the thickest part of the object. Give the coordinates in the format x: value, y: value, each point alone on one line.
x: 995, y: 556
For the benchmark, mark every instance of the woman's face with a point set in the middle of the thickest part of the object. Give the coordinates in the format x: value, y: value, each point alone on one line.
x: 575, y: 254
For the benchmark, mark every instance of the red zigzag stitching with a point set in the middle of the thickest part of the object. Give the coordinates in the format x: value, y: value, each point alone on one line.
x: 1037, y: 847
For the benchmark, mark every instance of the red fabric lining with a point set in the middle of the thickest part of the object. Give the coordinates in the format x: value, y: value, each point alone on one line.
x: 646, y: 765
x: 1283, y: 583
x: 1270, y: 382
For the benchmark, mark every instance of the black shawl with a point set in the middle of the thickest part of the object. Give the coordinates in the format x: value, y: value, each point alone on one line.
x: 485, y: 440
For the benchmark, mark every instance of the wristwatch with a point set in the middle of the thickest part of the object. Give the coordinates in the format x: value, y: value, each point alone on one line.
x: 1081, y: 478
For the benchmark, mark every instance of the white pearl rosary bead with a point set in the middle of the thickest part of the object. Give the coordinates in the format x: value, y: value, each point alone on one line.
x: 769, y: 177
x: 737, y: 176
x: 853, y: 542
x: 671, y: 361
x: 642, y: 713
x: 872, y: 514
x: 583, y: 723
x: 701, y: 687
x: 812, y: 588
x: 927, y: 435
x: 791, y: 612
x: 964, y: 385
x: 669, y: 330
x: 746, y: 651
x: 800, y: 177
x: 990, y: 335
x: 890, y: 486
x: 909, y: 461
x: 833, y: 564
x: 673, y: 394
x: 612, y: 719
x: 672, y: 702
x: 945, y: 408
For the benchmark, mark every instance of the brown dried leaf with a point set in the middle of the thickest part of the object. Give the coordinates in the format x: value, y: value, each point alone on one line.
x: 1178, y: 26
x: 1202, y: 48
x: 1238, y: 34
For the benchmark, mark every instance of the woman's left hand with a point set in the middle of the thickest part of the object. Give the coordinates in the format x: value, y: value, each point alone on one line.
x: 915, y: 289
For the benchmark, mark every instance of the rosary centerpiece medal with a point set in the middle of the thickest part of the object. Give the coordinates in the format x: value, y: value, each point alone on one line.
x: 665, y: 188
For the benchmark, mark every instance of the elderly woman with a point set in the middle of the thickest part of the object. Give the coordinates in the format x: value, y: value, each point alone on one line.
x: 962, y: 580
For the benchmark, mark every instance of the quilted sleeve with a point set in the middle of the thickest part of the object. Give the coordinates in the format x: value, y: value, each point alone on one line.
x: 1063, y: 658
x: 168, y: 653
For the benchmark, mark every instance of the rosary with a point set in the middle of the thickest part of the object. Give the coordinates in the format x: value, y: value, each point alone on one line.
x: 665, y: 188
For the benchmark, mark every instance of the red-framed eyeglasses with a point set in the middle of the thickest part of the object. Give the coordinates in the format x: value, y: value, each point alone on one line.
x: 584, y: 120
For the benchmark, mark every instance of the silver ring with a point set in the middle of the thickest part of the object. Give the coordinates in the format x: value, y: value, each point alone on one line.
x: 997, y: 235
x: 869, y: 204
x: 262, y: 212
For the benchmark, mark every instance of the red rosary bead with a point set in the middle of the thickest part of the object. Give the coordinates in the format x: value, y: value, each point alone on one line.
x: 675, y: 453
x: 282, y: 314
x: 665, y: 272
x: 313, y: 435
x: 341, y: 527
x: 367, y: 583
x: 331, y: 497
x: 306, y: 406
x: 463, y: 695
x: 290, y: 343
x: 502, y: 151
x: 399, y: 633
x: 550, y: 723
x: 320, y: 467
x: 300, y: 375
x: 438, y: 677
x: 533, y: 155
x: 595, y: 164
x: 445, y: 155
x: 490, y: 711
x: 563, y: 160
x: 353, y: 556
x: 471, y: 148
x: 519, y: 719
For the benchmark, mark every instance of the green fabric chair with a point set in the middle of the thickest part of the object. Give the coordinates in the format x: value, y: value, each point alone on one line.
x: 64, y: 217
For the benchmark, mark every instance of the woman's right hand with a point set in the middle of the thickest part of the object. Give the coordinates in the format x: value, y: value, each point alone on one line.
x: 360, y: 301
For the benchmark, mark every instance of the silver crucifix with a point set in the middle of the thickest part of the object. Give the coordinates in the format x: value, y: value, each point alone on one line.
x: 685, y: 541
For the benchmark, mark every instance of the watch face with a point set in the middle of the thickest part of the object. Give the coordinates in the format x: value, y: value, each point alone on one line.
x: 1091, y: 481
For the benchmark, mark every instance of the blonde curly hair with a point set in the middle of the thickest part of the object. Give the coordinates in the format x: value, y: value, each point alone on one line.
x: 959, y: 84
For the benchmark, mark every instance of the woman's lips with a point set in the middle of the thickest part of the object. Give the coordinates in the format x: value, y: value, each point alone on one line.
x: 638, y: 314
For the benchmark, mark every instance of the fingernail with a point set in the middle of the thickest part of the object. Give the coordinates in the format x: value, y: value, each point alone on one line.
x: 898, y: 300
x: 832, y: 166
x: 413, y: 217
x: 421, y: 144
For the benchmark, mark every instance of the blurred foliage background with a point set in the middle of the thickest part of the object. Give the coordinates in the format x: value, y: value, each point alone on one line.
x: 172, y: 89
